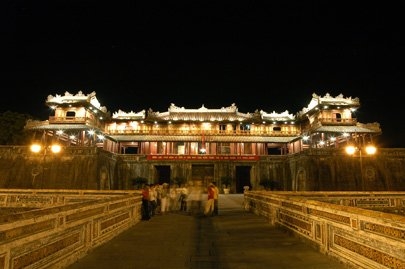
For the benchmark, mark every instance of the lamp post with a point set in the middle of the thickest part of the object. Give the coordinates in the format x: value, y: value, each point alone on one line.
x: 38, y: 149
x: 368, y: 149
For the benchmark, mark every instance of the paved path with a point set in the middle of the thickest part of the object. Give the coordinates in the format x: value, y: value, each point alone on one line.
x: 233, y: 240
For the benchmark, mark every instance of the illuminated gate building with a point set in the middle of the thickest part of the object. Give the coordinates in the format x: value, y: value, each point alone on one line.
x: 202, y: 144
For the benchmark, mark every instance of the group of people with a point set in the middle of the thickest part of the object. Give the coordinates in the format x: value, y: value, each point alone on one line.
x: 160, y: 199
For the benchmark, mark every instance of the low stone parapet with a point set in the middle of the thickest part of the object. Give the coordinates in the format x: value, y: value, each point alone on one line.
x: 338, y: 223
x: 54, y: 228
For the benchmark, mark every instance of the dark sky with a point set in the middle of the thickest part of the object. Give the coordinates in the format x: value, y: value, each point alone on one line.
x: 148, y: 54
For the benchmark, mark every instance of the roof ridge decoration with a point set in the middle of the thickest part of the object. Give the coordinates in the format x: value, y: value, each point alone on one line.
x: 328, y: 99
x: 68, y: 96
x: 173, y: 109
x: 79, y: 97
x: 129, y: 115
x: 277, y: 116
x: 176, y: 113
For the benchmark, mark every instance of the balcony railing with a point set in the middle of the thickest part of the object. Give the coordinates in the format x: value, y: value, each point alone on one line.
x: 205, y: 132
x: 76, y: 120
x: 336, y: 121
x: 53, y: 119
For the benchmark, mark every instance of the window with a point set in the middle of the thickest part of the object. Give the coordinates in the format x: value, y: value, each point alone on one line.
x: 179, y: 148
x: 225, y: 148
x: 245, y: 127
x: 70, y: 115
x: 338, y: 117
x: 161, y: 147
x: 222, y: 128
x: 247, y: 148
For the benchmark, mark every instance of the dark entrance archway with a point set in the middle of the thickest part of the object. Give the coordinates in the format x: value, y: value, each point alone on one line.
x: 242, y: 178
x: 162, y: 174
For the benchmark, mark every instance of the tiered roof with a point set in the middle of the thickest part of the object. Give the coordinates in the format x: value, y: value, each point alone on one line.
x: 176, y: 113
x: 328, y: 100
x: 204, y: 114
x: 129, y: 116
x: 223, y: 114
x: 68, y: 99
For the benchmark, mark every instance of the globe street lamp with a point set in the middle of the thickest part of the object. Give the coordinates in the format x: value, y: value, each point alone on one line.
x: 37, y: 149
x: 368, y: 149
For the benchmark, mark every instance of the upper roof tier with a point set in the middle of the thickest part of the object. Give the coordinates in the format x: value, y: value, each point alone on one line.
x: 230, y: 113
x: 176, y: 113
x: 328, y: 100
x: 70, y: 99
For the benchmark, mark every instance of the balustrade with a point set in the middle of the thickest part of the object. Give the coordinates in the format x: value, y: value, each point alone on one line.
x: 356, y: 236
x: 200, y: 132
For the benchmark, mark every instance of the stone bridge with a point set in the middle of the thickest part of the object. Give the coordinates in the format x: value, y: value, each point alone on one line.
x: 55, y: 228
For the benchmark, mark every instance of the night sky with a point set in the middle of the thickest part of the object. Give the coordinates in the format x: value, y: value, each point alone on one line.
x: 148, y: 54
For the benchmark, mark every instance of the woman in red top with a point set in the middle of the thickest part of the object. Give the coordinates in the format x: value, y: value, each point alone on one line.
x: 209, y: 205
x: 146, y: 209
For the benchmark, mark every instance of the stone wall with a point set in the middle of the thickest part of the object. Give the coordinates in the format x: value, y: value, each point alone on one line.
x: 332, y: 170
x: 310, y: 170
x: 338, y: 224
x: 75, y: 168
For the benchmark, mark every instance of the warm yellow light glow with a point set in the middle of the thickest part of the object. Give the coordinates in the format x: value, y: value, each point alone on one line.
x: 56, y: 148
x: 206, y: 126
x: 350, y: 150
x: 134, y: 124
x: 36, y: 148
x: 370, y: 150
x: 321, y: 142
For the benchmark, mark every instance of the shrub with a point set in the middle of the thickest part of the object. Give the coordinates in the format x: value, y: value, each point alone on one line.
x: 138, y: 182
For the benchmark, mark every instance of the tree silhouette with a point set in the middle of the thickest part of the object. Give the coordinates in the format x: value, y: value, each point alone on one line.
x: 12, y: 128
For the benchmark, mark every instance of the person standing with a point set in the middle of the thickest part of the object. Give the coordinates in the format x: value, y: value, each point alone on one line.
x: 195, y: 200
x: 145, y: 203
x: 183, y: 199
x: 209, y: 205
x: 173, y: 199
x: 164, y: 198
x: 216, y: 196
x: 152, y: 200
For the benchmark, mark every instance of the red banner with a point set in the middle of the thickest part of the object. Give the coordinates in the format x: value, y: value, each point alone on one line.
x: 202, y: 158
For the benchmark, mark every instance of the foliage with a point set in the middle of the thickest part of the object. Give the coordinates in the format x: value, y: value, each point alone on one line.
x: 12, y: 128
x: 269, y: 184
x: 265, y: 183
x: 179, y: 181
x: 226, y: 180
x: 138, y: 182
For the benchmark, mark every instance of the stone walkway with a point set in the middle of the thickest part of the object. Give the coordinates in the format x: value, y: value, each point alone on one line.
x: 233, y: 240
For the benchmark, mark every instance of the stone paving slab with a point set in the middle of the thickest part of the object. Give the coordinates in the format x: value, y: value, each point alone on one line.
x: 233, y: 240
